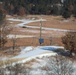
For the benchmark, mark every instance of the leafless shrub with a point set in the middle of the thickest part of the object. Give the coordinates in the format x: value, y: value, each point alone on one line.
x: 60, y: 66
x: 69, y: 41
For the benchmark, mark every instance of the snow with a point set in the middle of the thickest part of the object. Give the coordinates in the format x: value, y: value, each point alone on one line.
x: 38, y: 72
x: 32, y: 31
x: 27, y: 49
x: 11, y: 22
x: 3, y: 58
x: 36, y: 51
x: 66, y: 20
x: 31, y: 52
x: 27, y: 21
x: 37, y: 56
x: 41, y: 54
x: 10, y: 36
x: 51, y: 47
x: 54, y: 29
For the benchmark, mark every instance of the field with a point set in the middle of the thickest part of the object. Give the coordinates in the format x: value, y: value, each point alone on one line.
x: 52, y: 30
x: 23, y: 47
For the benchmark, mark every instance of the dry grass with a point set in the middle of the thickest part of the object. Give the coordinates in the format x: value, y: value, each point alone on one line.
x: 10, y: 61
x: 35, y: 42
x: 57, y: 22
x: 29, y: 64
x: 52, y: 22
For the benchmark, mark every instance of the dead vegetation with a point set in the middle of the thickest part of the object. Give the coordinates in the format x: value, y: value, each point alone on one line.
x: 50, y: 37
x: 9, y: 61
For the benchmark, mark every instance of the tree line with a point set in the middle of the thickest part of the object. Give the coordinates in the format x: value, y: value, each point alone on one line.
x: 66, y: 8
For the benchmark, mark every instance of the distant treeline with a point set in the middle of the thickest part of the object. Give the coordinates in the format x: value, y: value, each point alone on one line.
x: 66, y: 8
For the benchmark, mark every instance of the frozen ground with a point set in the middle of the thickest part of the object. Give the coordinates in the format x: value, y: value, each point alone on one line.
x: 10, y: 36
x: 32, y: 31
x: 39, y: 59
x: 24, y: 23
x: 30, y: 52
x: 27, y: 21
x: 34, y: 51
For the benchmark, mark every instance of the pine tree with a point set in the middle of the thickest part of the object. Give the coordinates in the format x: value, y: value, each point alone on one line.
x: 66, y: 12
x: 74, y: 4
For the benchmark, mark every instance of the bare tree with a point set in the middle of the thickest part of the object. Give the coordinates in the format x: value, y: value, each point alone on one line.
x: 56, y: 65
x: 4, y: 29
x: 69, y: 41
x: 14, y: 40
x: 21, y: 11
x: 1, y: 71
x: 60, y: 66
x: 17, y: 69
x: 51, y: 40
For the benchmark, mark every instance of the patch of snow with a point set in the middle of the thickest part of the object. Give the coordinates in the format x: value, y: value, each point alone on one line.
x: 30, y: 52
x: 3, y: 58
x: 27, y: 49
x: 37, y: 56
x: 11, y: 22
x: 10, y: 36
x: 25, y: 21
x: 33, y: 31
x: 66, y: 20
x: 54, y: 29
x: 51, y: 47
x: 36, y: 51
x: 37, y: 72
x: 33, y: 52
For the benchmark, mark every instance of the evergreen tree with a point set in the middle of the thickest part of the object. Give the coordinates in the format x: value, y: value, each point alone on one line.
x: 55, y: 7
x: 66, y: 12
x: 74, y: 4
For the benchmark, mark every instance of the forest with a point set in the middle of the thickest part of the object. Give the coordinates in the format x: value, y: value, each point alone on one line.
x: 66, y: 8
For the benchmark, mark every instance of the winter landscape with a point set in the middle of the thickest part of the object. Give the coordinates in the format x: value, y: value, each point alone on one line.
x: 37, y: 41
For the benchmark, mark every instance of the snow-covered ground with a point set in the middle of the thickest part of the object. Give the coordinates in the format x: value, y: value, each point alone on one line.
x: 27, y: 21
x: 54, y: 29
x: 32, y: 31
x: 34, y: 51
x: 30, y: 52
x: 10, y: 36
x: 24, y: 23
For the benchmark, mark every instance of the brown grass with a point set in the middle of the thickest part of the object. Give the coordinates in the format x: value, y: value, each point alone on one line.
x: 57, y: 22
x: 52, y: 22
x: 10, y: 61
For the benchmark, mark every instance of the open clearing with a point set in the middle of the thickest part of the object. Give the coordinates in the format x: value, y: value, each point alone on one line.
x: 27, y: 29
x: 25, y: 34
